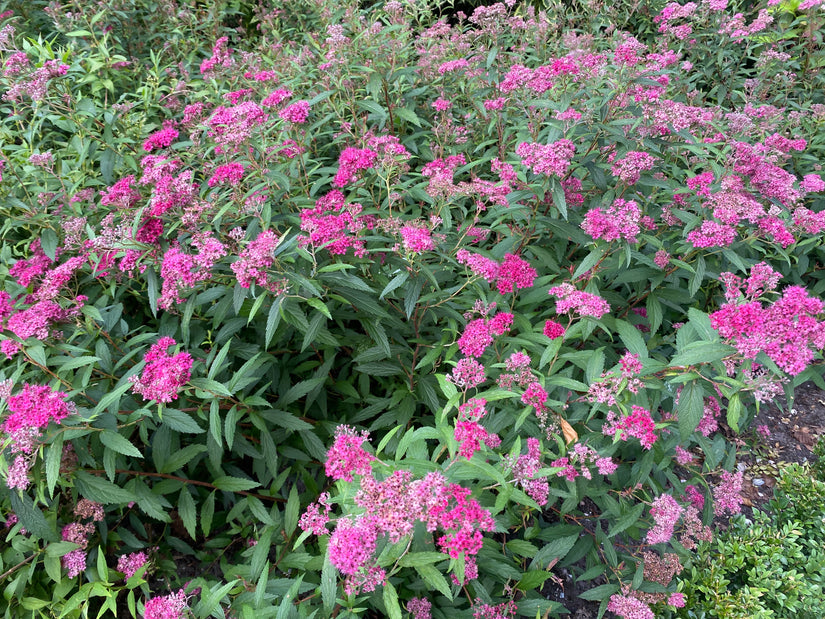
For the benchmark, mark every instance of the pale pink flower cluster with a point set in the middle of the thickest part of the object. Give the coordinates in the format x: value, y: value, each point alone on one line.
x: 551, y: 159
x: 619, y: 221
x: 666, y: 513
x: 571, y: 300
x: 416, y: 238
x: 467, y: 373
x: 712, y: 234
x: 419, y: 608
x: 221, y: 57
x: 505, y: 610
x: 727, y: 495
x: 164, y: 374
x: 630, y: 167
x: 131, y: 563
x: 440, y: 172
x: 513, y: 273
x: 232, y: 126
x: 524, y: 470
x: 629, y: 607
x: 255, y: 259
x: 579, y: 460
x: 518, y: 371
x: 276, y: 97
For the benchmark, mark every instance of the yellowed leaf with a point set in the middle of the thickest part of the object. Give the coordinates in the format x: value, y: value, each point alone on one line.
x: 570, y: 435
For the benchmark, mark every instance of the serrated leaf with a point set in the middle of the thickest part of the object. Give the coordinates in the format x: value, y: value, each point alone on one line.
x: 298, y: 391
x: 100, y: 489
x: 181, y: 422
x: 120, y: 444
x: 601, y: 592
x: 417, y: 559
x: 632, y: 338
x: 228, y: 483
x: 630, y: 518
x: 77, y: 362
x: 394, y: 283
x: 207, y: 513
x: 188, y: 512
x: 53, y: 457
x: 178, y: 459
x: 701, y: 352
x: 329, y: 585
x: 690, y: 408
x: 31, y: 517
x: 391, y: 604
x: 434, y: 579
x: 291, y: 512
x: 320, y: 306
x: 533, y: 579
x: 734, y: 411
x: 211, y: 386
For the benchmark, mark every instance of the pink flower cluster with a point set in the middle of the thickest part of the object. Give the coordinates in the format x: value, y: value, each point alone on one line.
x: 166, y: 607
x: 334, y: 224
x: 227, y: 174
x: 232, y: 126
x: 255, y: 259
x: 611, y: 384
x: 578, y: 302
x: 164, y: 374
x: 346, y: 457
x: 584, y: 456
x: 629, y: 607
x: 467, y: 373
x: 785, y: 330
x: 524, y: 470
x: 468, y: 431
x: 131, y: 563
x: 547, y: 158
x: 630, y: 167
x: 296, y: 113
x: 478, y: 334
x: 619, y: 221
x: 638, y: 424
x: 350, y: 162
x: 416, y: 238
x: 553, y: 330
x: 513, y: 273
x: 666, y: 513
x: 160, y: 139
x: 727, y: 495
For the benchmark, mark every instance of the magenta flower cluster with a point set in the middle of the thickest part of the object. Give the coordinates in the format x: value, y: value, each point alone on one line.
x: 164, y: 374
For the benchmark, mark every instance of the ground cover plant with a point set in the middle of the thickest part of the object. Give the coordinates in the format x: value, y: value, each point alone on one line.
x: 320, y: 310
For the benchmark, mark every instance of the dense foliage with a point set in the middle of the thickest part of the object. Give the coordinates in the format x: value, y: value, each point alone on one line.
x: 326, y: 310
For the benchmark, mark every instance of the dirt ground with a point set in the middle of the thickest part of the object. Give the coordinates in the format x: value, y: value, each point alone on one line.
x: 793, y: 432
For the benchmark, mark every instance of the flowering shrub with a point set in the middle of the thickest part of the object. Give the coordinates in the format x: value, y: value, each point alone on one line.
x: 329, y: 311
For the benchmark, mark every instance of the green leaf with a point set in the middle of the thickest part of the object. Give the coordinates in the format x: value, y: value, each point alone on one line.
x: 272, y: 321
x: 181, y: 422
x: 701, y: 352
x: 178, y: 459
x: 394, y: 283
x: 320, y: 306
x: 691, y: 408
x: 76, y: 362
x: 632, y: 338
x: 556, y: 549
x: 211, y: 386
x: 31, y: 517
x: 234, y: 484
x: 417, y: 559
x: 596, y: 254
x: 48, y: 242
x: 391, y: 604
x: 298, y: 391
x: 53, y: 457
x: 212, y: 598
x: 533, y: 579
x: 207, y: 513
x: 329, y: 585
x: 121, y: 445
x: 601, y: 592
x: 293, y: 507
x: 188, y: 512
x: 217, y: 363
x: 100, y: 489
x: 434, y: 579
x: 734, y: 412
x: 286, y: 605
x: 630, y: 518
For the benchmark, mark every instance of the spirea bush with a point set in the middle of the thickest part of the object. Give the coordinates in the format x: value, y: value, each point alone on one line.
x: 328, y: 310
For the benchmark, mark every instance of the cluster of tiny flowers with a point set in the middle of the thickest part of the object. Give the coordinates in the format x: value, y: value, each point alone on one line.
x: 524, y: 469
x: 514, y: 273
x: 578, y: 302
x: 637, y: 424
x: 547, y: 158
x: 254, y: 260
x: 131, y: 563
x: 535, y: 396
x: 709, y: 424
x: 478, y: 334
x: 784, y: 330
x: 630, y: 167
x: 505, y: 610
x: 666, y: 513
x: 553, y: 330
x: 350, y: 162
x: 296, y: 113
x: 420, y: 608
x: 416, y: 238
x: 619, y: 221
x: 160, y: 139
x: 727, y: 495
x: 346, y: 457
x: 165, y: 607
x: 334, y: 224
x: 518, y: 371
x: 611, y: 384
x: 467, y: 373
x: 712, y: 234
x: 584, y: 456
x: 164, y: 374
x: 629, y: 607
x: 312, y: 519
x: 228, y: 174
x: 468, y: 431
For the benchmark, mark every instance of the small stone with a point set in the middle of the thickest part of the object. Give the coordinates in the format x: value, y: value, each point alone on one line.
x: 758, y: 482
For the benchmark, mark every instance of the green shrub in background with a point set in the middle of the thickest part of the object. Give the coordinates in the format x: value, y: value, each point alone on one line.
x: 771, y: 567
x: 319, y: 310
